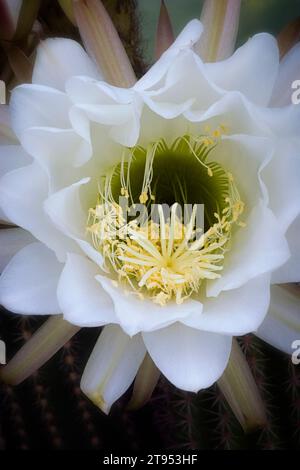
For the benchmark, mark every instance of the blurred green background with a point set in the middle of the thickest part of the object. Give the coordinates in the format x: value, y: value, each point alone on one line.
x: 256, y: 16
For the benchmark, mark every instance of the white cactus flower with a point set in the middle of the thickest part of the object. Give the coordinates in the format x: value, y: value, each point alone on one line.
x: 188, y: 132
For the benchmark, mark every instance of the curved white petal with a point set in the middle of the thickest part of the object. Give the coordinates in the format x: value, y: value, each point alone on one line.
x: 28, y: 283
x: 189, y: 358
x: 245, y: 155
x: 137, y: 315
x: 22, y: 193
x: 185, y: 86
x: 242, y: 119
x: 282, y: 178
x: 82, y: 300
x: 280, y: 122
x: 282, y: 324
x: 85, y: 90
x: 289, y: 71
x: 12, y: 157
x: 186, y: 39
x: 37, y: 105
x: 11, y: 241
x: 112, y: 366
x: 258, y: 248
x: 235, y: 312
x: 121, y: 120
x: 56, y: 150
x: 115, y: 110
x: 68, y: 210
x: 290, y: 271
x: 59, y: 59
x: 252, y: 69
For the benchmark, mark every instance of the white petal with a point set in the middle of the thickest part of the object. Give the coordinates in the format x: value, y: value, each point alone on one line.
x: 245, y: 155
x: 282, y: 122
x: 185, y: 86
x: 252, y: 69
x: 58, y: 60
x: 12, y: 157
x: 282, y: 324
x: 82, y: 300
x: 85, y: 90
x: 153, y: 127
x: 186, y: 39
x: 28, y: 283
x: 137, y: 315
x: 290, y: 271
x: 121, y: 121
x: 37, y: 105
x: 22, y: 194
x: 112, y: 366
x: 282, y: 177
x: 189, y: 358
x: 235, y: 312
x: 106, y: 150
x: 56, y: 150
x: 68, y: 210
x: 116, y: 110
x: 258, y: 248
x: 289, y: 70
x: 231, y: 109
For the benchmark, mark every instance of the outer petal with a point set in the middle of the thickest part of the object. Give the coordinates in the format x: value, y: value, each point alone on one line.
x: 290, y: 271
x: 235, y: 312
x: 82, y: 300
x: 112, y: 366
x: 37, y: 105
x: 257, y: 249
x: 289, y: 70
x: 137, y: 315
x: 11, y: 241
x: 282, y: 324
x: 28, y: 283
x: 22, y: 193
x: 59, y: 59
x: 248, y: 70
x: 189, y: 358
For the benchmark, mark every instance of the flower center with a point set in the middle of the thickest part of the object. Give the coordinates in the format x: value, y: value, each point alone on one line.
x: 146, y: 221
